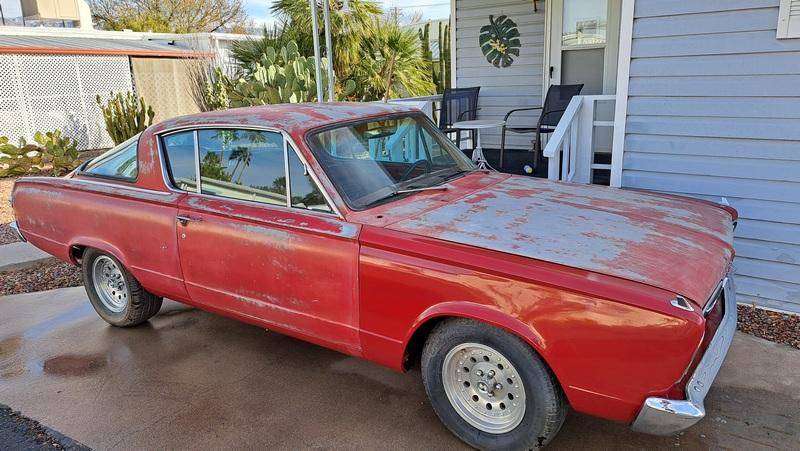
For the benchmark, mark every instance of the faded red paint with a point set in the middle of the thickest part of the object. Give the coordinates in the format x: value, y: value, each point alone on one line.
x: 583, y: 274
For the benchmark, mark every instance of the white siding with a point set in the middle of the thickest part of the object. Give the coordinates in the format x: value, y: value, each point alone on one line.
x: 714, y: 110
x: 502, y: 89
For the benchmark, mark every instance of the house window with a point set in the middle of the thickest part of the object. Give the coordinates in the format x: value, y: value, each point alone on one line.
x: 789, y: 19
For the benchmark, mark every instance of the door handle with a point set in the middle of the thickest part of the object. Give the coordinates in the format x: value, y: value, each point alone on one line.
x: 183, y: 219
x: 551, y: 71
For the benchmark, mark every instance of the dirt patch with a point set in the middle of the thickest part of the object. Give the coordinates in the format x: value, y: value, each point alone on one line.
x: 773, y: 326
x: 42, y: 277
x: 73, y: 365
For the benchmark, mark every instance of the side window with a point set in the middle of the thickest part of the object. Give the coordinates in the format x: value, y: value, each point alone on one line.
x: 305, y: 193
x: 242, y: 164
x: 121, y: 162
x: 179, y: 152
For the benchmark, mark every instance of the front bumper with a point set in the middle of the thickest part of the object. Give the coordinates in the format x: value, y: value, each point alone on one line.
x: 662, y: 416
x: 15, y: 229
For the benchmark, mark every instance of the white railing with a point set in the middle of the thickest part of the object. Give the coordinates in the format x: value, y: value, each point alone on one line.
x: 424, y: 103
x: 572, y: 146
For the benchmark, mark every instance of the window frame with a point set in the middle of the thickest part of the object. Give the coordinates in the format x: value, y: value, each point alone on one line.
x: 135, y: 139
x: 788, y: 26
x: 346, y: 123
x: 288, y: 143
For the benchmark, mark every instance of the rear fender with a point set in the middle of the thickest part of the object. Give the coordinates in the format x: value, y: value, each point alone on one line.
x: 100, y: 245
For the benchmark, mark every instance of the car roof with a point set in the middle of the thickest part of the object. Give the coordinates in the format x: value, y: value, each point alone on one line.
x: 292, y: 118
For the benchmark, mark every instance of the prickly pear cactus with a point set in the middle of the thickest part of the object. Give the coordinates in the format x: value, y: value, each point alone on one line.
x: 281, y: 76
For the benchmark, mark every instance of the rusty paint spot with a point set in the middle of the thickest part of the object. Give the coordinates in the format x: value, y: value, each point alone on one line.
x: 676, y: 244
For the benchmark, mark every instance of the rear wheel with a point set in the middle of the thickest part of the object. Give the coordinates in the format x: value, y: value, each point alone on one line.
x: 490, y: 388
x: 114, y: 293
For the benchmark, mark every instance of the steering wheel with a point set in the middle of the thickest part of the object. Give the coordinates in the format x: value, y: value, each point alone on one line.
x: 413, y: 166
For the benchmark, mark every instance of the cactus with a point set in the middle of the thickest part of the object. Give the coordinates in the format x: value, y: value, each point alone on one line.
x: 54, y: 155
x: 58, y: 152
x: 444, y: 57
x: 281, y: 76
x: 125, y: 116
x: 440, y: 70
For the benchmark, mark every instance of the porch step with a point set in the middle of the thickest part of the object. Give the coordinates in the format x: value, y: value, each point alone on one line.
x: 16, y: 256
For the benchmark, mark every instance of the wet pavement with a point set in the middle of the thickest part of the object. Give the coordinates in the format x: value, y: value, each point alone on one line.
x: 191, y: 379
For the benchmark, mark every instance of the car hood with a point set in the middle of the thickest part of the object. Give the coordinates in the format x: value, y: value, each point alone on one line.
x: 674, y: 243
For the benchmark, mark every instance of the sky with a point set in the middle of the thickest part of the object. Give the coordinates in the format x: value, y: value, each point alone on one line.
x: 431, y: 9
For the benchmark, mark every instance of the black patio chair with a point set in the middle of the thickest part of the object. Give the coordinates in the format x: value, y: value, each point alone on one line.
x: 555, y: 103
x: 459, y: 104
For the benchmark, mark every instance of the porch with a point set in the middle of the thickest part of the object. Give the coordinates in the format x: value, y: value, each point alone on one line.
x: 692, y: 98
x: 557, y: 42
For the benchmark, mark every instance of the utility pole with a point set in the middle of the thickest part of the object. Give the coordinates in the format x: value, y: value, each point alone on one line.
x: 317, y: 57
x: 329, y: 49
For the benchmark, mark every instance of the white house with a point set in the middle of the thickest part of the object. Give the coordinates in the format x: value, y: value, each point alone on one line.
x: 700, y: 98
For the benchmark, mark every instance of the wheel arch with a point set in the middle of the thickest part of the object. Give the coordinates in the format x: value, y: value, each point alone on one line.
x: 430, y: 318
x: 79, y: 245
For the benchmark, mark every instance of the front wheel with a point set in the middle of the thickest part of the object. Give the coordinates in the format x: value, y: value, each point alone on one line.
x: 490, y: 388
x: 114, y: 293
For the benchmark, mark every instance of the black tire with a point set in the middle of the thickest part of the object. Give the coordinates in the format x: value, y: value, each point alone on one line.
x: 545, y: 404
x: 141, y: 305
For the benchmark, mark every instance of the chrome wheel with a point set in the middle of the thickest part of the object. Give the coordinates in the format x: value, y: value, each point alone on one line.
x: 484, y: 388
x: 109, y: 284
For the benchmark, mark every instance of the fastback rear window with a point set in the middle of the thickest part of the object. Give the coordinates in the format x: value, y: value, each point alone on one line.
x: 121, y: 162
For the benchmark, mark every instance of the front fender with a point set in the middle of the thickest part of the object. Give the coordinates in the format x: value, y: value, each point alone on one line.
x: 479, y: 312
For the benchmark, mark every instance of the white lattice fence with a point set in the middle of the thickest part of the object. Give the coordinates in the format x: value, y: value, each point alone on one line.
x: 49, y: 92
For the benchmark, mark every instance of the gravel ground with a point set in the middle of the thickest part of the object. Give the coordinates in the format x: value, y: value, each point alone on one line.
x: 45, y: 276
x: 20, y: 433
x: 6, y: 235
x: 773, y: 326
x: 6, y: 214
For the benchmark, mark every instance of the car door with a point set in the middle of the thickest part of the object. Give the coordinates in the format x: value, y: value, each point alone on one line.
x: 258, y: 239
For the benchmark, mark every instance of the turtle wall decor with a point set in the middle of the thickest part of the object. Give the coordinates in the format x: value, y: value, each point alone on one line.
x: 499, y: 41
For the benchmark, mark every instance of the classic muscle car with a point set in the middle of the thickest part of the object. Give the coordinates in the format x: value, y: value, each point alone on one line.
x: 362, y: 228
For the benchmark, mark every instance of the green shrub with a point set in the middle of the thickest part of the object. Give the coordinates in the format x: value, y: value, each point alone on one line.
x: 53, y: 154
x: 125, y: 116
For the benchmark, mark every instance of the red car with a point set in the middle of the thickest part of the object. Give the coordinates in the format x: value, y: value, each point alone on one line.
x: 362, y: 228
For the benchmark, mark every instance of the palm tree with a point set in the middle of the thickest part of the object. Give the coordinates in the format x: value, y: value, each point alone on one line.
x: 393, y: 65
x: 349, y: 28
x: 243, y: 156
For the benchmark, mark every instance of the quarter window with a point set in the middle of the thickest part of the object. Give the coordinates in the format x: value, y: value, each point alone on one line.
x: 120, y: 162
x: 179, y: 150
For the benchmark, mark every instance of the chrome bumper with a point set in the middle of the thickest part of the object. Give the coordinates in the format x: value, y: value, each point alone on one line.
x: 661, y: 416
x: 16, y: 231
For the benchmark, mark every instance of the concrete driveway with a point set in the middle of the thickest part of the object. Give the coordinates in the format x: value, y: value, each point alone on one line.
x: 190, y: 379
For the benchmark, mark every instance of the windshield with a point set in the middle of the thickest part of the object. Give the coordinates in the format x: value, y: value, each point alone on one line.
x: 378, y: 159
